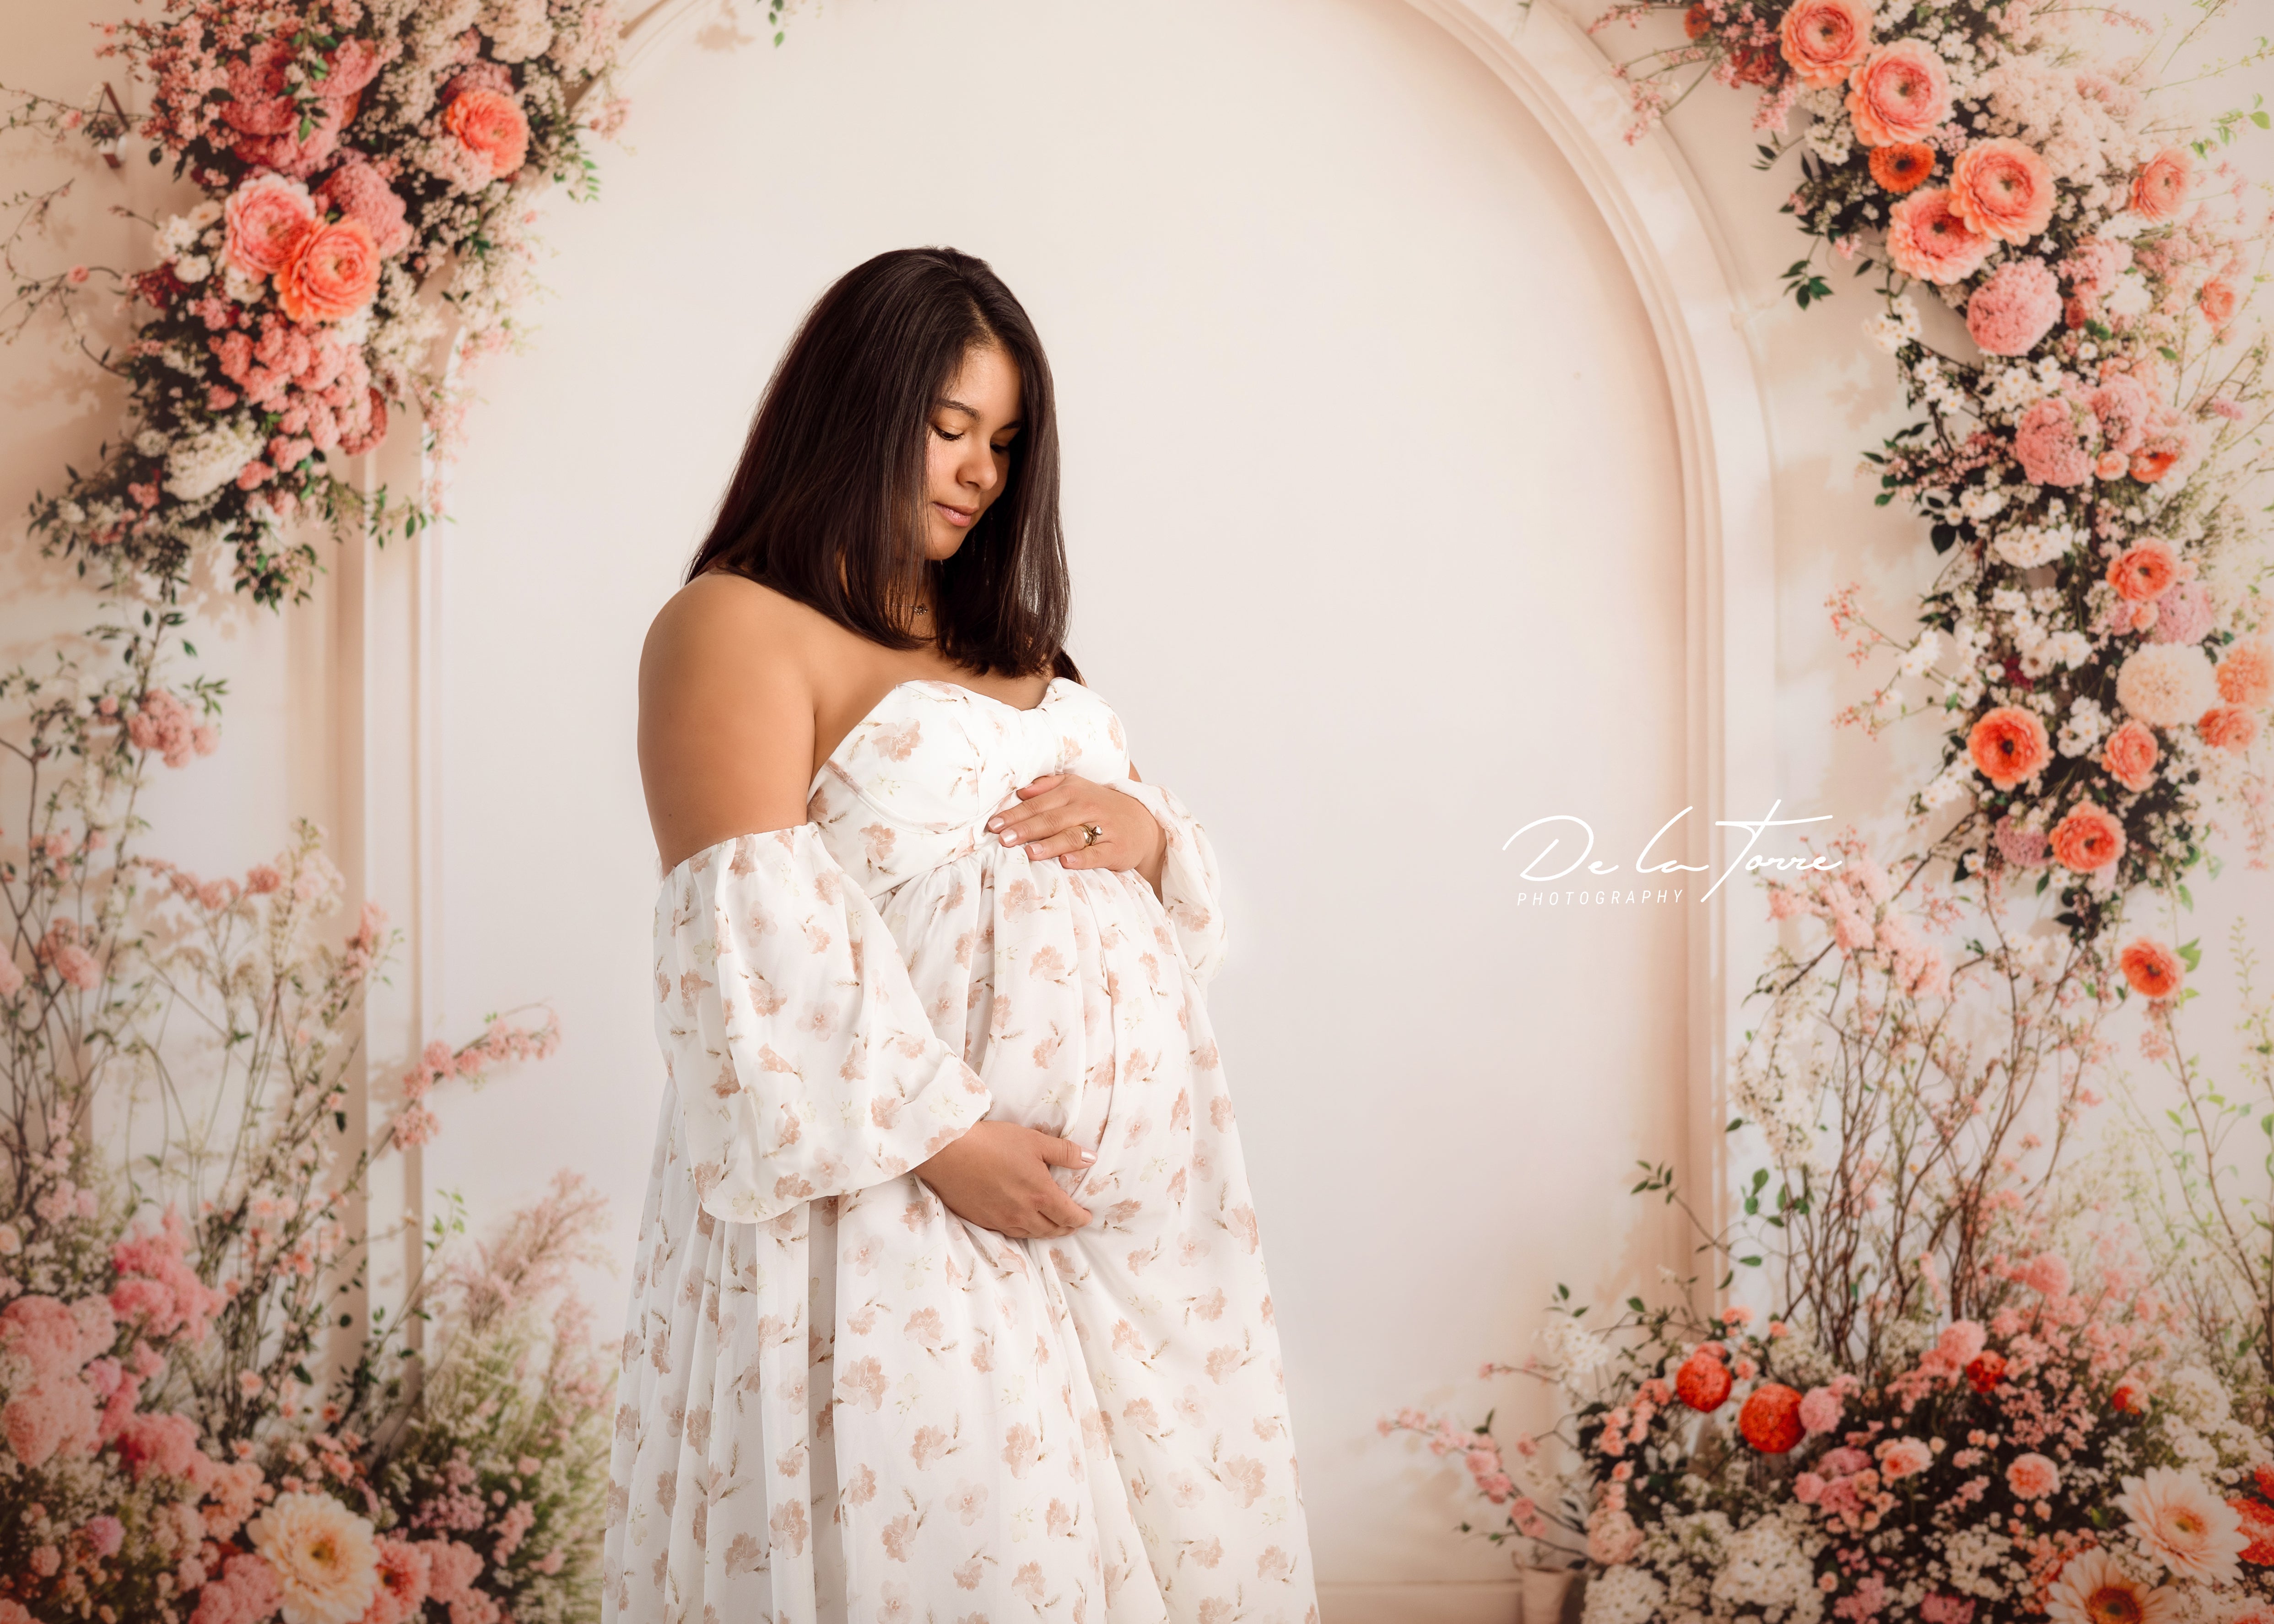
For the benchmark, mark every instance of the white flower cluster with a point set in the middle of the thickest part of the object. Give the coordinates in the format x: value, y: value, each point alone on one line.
x: 2015, y: 388
x: 1898, y: 325
x: 1625, y: 1595
x: 200, y: 464
x: 1777, y: 1081
x: 1768, y: 1568
x: 1980, y: 502
x: 2025, y: 546
x: 518, y: 29
x: 180, y: 236
x: 2086, y: 726
x: 1938, y: 388
x: 1574, y: 1350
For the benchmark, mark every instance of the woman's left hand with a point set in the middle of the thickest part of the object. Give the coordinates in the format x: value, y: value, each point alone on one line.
x: 1048, y: 821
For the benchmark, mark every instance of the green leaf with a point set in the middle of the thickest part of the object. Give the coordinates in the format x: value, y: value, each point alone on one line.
x: 2193, y: 953
x: 1751, y: 1262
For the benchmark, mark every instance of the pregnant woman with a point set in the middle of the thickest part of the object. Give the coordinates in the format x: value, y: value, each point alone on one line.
x: 949, y: 1302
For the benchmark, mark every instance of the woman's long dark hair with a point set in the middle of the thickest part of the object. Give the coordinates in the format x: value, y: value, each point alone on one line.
x: 828, y: 504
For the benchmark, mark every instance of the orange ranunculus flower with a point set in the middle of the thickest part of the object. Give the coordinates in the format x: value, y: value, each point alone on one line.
x: 1900, y: 167
x: 2153, y: 969
x: 1695, y: 23
x: 2246, y: 676
x: 2129, y: 756
x: 2161, y: 187
x: 2003, y: 188
x: 333, y: 273
x: 2009, y: 745
x: 2227, y: 727
x: 491, y: 124
x: 1899, y: 93
x: 2088, y: 839
x: 2218, y: 301
x: 1770, y: 1418
x: 1824, y: 39
x: 2142, y: 572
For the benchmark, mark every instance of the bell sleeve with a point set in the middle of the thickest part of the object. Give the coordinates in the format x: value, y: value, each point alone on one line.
x: 803, y: 1060
x: 1189, y: 883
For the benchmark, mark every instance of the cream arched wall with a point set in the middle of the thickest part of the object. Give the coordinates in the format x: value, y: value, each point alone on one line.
x: 1398, y: 519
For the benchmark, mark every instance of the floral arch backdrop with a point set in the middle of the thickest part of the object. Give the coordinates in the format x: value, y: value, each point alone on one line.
x: 179, y: 1445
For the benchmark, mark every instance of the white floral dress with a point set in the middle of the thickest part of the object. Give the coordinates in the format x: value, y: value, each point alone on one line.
x: 840, y: 1402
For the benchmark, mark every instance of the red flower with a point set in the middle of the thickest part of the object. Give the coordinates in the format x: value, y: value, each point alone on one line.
x: 1902, y: 165
x: 1695, y: 23
x: 1703, y: 1383
x: 2130, y: 1397
x: 1987, y: 1371
x: 1771, y: 1418
x: 2258, y: 1525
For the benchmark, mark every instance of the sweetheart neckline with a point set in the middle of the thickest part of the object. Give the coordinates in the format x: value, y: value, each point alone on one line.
x: 1050, y: 690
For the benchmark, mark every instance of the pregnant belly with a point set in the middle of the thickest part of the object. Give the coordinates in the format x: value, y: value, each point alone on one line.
x: 1054, y: 984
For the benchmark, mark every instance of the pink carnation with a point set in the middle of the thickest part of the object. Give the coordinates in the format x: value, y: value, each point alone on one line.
x: 1928, y: 239
x: 247, y: 1593
x: 53, y: 1417
x: 2184, y: 613
x: 2046, y: 1273
x: 2014, y: 308
x: 358, y: 192
x: 2048, y: 441
x: 2032, y: 1477
x: 1903, y: 1457
x: 1819, y: 1409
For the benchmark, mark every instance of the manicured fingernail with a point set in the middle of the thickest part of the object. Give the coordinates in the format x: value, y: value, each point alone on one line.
x: 1010, y: 837
x: 994, y: 822
x: 1087, y: 1157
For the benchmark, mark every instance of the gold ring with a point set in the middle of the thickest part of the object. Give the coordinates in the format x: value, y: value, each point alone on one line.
x: 1089, y: 833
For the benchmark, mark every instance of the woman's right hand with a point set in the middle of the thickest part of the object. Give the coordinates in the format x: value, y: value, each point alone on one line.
x: 998, y: 1176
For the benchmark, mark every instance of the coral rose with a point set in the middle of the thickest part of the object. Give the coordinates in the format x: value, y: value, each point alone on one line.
x: 1703, y: 1383
x: 2246, y: 676
x: 2153, y: 969
x: 491, y: 125
x: 2218, y: 301
x: 2153, y: 462
x: 1903, y: 166
x: 2003, y: 188
x: 2129, y: 756
x: 2032, y: 1477
x: 266, y: 218
x: 2014, y: 308
x: 2141, y: 573
x: 1899, y: 93
x: 2161, y: 187
x: 2009, y: 746
x: 1926, y: 238
x: 2227, y: 727
x: 333, y: 273
x: 1770, y: 1418
x: 2088, y: 839
x: 1824, y: 39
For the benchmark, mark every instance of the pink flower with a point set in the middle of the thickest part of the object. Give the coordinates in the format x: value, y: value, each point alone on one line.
x: 2003, y: 188
x: 2227, y: 727
x: 1899, y: 93
x: 2046, y: 1273
x: 1960, y: 1341
x: 163, y: 1443
x: 358, y: 192
x: 2085, y: 841
x: 55, y: 1416
x: 2014, y: 308
x: 1819, y: 1409
x: 1824, y: 39
x: 2032, y: 1477
x: 416, y: 1125
x: 2048, y: 440
x: 246, y: 1594
x: 2246, y: 676
x: 2185, y: 1525
x: 332, y: 273
x: 267, y: 217
x: 2161, y: 187
x: 2129, y: 756
x: 451, y: 1567
x: 491, y: 124
x: 2218, y: 301
x: 1927, y: 238
x: 2123, y: 408
x: 1903, y: 1457
x: 105, y: 1535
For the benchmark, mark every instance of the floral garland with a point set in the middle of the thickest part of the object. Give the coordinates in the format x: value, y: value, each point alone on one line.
x: 2094, y: 642
x: 2006, y: 1376
x: 367, y: 165
x: 169, y: 1447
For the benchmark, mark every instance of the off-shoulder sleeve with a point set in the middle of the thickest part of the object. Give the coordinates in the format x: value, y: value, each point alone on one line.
x: 798, y: 1047
x: 1189, y: 890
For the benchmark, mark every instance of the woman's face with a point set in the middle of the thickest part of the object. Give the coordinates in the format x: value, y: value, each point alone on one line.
x: 968, y: 450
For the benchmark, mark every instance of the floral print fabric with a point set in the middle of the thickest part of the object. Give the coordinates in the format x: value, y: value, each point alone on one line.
x: 840, y: 1402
